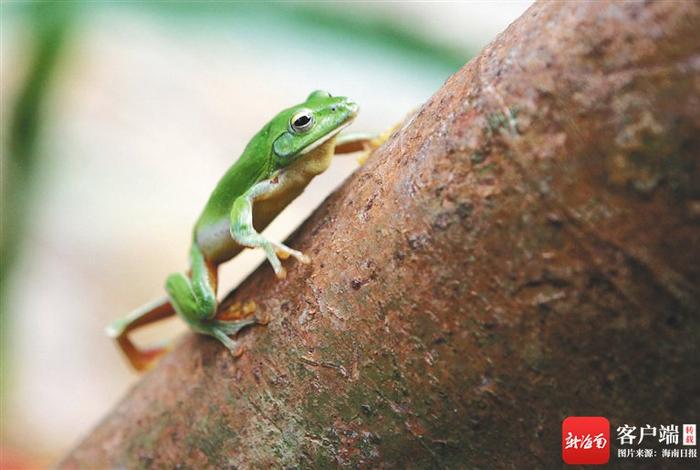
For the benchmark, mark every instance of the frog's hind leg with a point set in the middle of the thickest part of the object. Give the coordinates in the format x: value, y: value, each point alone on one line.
x: 119, y: 330
x: 194, y: 299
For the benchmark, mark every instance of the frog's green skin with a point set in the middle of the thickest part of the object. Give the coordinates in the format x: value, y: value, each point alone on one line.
x: 275, y: 167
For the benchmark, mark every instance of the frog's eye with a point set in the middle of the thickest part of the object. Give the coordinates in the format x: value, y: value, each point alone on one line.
x: 302, y: 121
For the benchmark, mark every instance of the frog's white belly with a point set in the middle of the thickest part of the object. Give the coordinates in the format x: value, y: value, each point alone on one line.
x: 216, y: 242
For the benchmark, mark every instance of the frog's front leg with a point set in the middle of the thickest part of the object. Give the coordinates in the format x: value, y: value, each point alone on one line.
x: 356, y: 142
x: 360, y: 143
x: 244, y: 233
x: 194, y: 300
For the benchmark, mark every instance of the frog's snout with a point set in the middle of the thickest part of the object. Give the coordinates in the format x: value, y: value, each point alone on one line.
x: 352, y: 107
x: 344, y: 108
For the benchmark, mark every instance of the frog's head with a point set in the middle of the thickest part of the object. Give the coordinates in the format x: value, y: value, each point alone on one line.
x: 303, y: 128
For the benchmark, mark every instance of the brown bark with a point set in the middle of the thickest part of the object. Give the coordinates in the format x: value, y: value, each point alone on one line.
x: 522, y: 249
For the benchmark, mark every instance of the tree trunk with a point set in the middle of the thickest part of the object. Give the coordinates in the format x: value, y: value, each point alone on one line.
x: 524, y: 248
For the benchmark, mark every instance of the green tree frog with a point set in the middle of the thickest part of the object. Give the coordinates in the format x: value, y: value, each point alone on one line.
x: 275, y: 167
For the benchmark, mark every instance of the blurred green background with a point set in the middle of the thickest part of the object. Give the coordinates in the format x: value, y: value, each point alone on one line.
x: 118, y: 118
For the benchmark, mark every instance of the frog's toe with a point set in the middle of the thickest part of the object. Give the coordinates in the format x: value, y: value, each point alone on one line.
x: 238, y: 350
x: 299, y: 256
x: 281, y: 273
x: 284, y: 252
x: 263, y: 319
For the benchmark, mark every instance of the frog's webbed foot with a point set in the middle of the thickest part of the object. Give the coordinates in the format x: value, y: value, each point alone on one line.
x: 283, y: 252
x: 229, y: 321
x: 276, y: 251
x: 222, y: 330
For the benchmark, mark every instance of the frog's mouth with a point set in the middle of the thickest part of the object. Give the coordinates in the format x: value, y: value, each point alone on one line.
x: 325, y: 138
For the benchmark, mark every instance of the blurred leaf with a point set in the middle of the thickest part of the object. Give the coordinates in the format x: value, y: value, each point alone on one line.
x: 359, y: 25
x: 48, y: 25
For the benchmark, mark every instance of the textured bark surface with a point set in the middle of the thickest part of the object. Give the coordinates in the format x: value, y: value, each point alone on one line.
x: 524, y: 248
